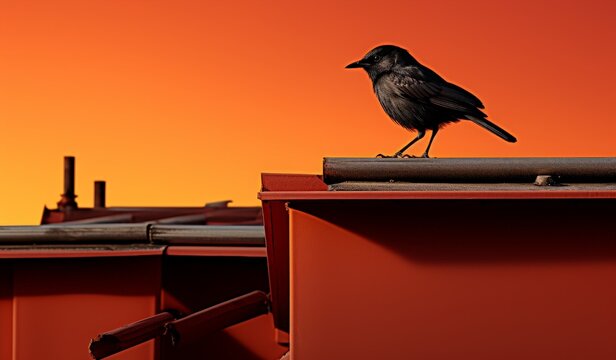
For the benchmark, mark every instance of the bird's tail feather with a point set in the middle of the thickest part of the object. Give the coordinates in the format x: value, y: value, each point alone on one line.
x: 492, y: 127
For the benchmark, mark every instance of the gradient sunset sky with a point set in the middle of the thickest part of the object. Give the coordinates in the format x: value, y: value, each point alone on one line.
x: 183, y: 102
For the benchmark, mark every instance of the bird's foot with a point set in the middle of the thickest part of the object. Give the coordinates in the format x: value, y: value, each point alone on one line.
x: 395, y: 156
x: 425, y: 156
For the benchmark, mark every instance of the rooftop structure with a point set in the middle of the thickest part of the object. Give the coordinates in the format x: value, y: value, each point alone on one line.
x: 444, y: 258
x: 116, y: 276
x: 438, y: 258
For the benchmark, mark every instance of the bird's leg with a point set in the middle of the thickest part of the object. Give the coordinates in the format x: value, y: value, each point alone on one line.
x: 425, y: 154
x: 419, y: 136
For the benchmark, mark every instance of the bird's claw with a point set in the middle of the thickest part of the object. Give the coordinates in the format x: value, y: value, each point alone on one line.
x: 395, y: 156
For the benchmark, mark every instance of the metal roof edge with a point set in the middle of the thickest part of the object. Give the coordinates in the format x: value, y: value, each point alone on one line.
x: 444, y: 195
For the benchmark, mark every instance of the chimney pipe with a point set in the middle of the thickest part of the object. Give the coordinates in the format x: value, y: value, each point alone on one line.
x: 99, y: 194
x: 67, y: 201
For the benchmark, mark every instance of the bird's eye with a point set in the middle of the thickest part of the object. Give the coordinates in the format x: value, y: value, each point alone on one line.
x: 376, y: 58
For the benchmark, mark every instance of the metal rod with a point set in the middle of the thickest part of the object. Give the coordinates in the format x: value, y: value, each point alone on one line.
x: 241, y: 235
x: 100, y: 194
x: 478, y: 187
x: 74, y: 234
x: 469, y: 170
x: 245, y: 235
x: 197, y: 326
x: 117, y: 340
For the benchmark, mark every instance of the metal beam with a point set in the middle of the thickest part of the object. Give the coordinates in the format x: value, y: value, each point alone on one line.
x: 123, y: 338
x: 197, y: 326
x: 244, y: 235
x: 469, y: 170
x: 69, y: 234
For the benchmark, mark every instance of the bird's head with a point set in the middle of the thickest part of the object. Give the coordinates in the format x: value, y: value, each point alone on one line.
x: 382, y: 59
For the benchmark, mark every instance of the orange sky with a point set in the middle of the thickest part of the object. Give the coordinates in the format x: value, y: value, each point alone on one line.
x: 183, y: 102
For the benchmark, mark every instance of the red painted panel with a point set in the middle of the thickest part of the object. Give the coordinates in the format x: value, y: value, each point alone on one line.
x: 193, y: 283
x: 453, y: 279
x: 292, y: 182
x: 61, y: 303
x: 276, y: 224
x: 6, y: 310
x: 237, y: 251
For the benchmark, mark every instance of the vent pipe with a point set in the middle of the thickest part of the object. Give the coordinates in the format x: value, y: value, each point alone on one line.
x: 67, y: 202
x: 99, y: 194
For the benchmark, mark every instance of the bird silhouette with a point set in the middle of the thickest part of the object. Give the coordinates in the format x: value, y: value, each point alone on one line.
x: 417, y: 98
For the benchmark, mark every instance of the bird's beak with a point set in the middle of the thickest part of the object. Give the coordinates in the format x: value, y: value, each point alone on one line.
x: 358, y: 64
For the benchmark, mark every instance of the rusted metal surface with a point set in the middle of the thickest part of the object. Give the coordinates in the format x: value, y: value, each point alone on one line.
x: 469, y: 170
x: 226, y: 251
x: 112, y: 233
x: 100, y: 194
x: 78, y: 251
x: 67, y: 201
x: 478, y: 187
x: 243, y: 235
x: 114, y: 341
x: 205, y: 322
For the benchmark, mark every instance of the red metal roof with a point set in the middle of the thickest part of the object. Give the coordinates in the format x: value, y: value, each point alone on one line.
x: 418, y: 179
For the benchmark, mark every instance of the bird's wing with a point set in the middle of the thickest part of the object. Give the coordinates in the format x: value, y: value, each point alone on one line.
x: 426, y: 86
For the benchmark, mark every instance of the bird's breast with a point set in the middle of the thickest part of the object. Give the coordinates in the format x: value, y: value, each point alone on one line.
x: 397, y: 107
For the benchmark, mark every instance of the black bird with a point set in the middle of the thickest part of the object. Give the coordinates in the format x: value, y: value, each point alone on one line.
x: 417, y: 98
